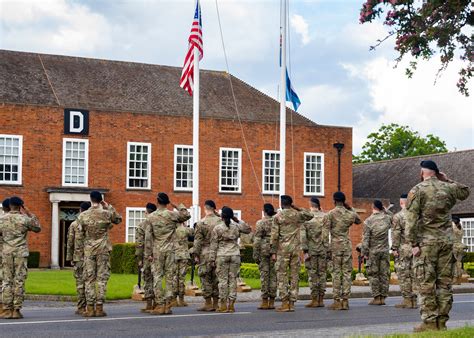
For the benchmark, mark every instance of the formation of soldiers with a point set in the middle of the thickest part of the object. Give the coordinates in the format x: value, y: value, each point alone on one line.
x: 424, y: 242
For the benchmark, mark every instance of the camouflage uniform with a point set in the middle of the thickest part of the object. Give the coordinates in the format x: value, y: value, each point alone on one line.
x: 375, y: 246
x: 202, y: 240
x: 161, y: 230
x: 429, y: 226
x: 146, y: 264
x: 225, y: 252
x: 182, y: 258
x: 285, y: 243
x: 261, y: 255
x: 404, y: 261
x: 315, y: 242
x: 75, y: 253
x: 95, y: 224
x: 14, y: 227
x: 340, y: 220
x: 458, y: 247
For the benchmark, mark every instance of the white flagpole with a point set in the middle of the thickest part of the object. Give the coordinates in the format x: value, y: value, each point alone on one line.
x: 196, y: 209
x: 283, y: 100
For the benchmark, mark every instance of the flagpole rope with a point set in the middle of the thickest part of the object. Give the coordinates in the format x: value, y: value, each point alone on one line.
x: 236, y: 106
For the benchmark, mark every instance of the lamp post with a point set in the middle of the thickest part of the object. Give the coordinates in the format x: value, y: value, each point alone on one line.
x: 339, y: 147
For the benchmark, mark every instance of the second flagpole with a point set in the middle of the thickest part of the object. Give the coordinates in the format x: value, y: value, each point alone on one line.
x: 196, y: 209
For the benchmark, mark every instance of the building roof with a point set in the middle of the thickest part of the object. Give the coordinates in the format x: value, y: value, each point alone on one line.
x: 390, y: 179
x: 75, y: 82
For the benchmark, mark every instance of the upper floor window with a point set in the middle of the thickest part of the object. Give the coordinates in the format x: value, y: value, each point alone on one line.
x: 75, y: 162
x: 314, y: 174
x: 271, y: 172
x: 138, y: 165
x: 11, y: 147
x: 183, y: 168
x: 230, y: 170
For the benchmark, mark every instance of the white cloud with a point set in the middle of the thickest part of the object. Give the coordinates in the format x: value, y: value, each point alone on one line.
x: 301, y: 27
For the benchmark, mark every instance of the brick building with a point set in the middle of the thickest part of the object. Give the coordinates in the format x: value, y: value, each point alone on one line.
x: 71, y: 125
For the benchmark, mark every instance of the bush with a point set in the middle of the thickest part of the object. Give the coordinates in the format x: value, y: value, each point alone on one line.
x: 34, y: 259
x: 123, y: 258
x: 469, y: 257
x: 246, y: 254
x: 469, y: 268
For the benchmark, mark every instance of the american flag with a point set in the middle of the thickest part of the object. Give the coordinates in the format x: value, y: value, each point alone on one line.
x: 195, y: 40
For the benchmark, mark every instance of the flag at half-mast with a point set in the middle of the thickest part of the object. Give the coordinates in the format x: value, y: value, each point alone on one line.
x: 195, y: 41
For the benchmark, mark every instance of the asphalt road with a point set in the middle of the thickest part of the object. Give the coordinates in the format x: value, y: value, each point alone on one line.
x: 124, y: 320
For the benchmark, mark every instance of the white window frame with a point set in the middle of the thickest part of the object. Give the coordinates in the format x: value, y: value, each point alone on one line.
x: 464, y: 222
x: 237, y: 213
x: 176, y: 146
x: 305, y: 193
x: 270, y: 192
x: 128, y: 210
x: 148, y: 187
x: 19, y: 181
x: 239, y: 190
x: 86, y: 163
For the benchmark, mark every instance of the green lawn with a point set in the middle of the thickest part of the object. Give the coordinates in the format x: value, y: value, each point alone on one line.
x: 465, y: 332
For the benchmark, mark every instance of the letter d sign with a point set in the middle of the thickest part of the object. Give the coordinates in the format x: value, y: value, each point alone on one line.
x: 76, y: 121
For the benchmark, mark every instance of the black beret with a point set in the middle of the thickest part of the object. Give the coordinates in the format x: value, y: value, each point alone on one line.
x: 227, y: 212
x: 339, y: 196
x: 85, y: 205
x: 96, y: 196
x: 151, y: 206
x: 378, y: 204
x: 210, y: 203
x: 315, y: 200
x: 163, y: 198
x: 404, y: 196
x: 6, y: 203
x: 286, y: 199
x: 429, y: 165
x: 269, y: 209
x: 16, y: 201
x: 456, y: 219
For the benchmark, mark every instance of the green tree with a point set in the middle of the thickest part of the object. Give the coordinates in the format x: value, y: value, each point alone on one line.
x: 423, y: 29
x: 395, y: 141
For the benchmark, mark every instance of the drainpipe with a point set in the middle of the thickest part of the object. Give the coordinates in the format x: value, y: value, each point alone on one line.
x: 339, y: 147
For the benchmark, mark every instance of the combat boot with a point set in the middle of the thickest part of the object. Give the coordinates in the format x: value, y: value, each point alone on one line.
x: 345, y: 304
x: 174, y: 302
x: 231, y: 308
x: 80, y: 310
x: 215, y: 303
x: 2, y: 310
x: 16, y: 314
x: 291, y: 306
x: 158, y: 310
x: 271, y: 304
x: 181, y: 302
x: 223, y: 306
x: 90, y: 312
x: 285, y: 307
x: 99, y: 310
x: 321, y: 301
x: 264, y: 304
x: 207, y: 305
x: 337, y: 305
x: 405, y: 304
x: 375, y: 301
x: 148, y: 307
x: 441, y: 325
x: 382, y: 300
x: 7, y: 314
x: 167, y: 310
x: 314, y: 302
x: 426, y: 327
x: 414, y: 304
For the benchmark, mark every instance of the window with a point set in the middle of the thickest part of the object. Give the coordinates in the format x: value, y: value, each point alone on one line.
x: 11, y: 147
x: 237, y: 213
x: 183, y: 168
x: 230, y: 173
x: 468, y: 236
x: 313, y: 174
x: 271, y: 172
x: 139, y: 165
x: 75, y: 162
x: 134, y: 217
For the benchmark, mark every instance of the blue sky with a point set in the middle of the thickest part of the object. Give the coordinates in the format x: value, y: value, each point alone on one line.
x: 339, y: 81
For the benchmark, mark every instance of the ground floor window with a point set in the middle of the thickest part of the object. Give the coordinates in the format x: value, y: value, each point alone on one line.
x: 468, y: 233
x: 134, y: 217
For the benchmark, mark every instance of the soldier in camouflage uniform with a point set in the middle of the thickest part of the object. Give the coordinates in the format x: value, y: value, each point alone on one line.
x: 143, y: 263
x: 285, y: 249
x: 207, y: 273
x: 430, y: 233
x: 182, y: 257
x: 341, y: 219
x: 375, y: 248
x: 5, y: 209
x: 75, y: 254
x: 95, y: 224
x: 14, y: 227
x: 161, y: 231
x: 315, y: 245
x: 262, y: 256
x: 224, y: 253
x: 459, y: 248
x: 401, y: 249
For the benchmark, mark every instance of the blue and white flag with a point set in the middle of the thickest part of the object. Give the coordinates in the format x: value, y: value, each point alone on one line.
x: 291, y: 95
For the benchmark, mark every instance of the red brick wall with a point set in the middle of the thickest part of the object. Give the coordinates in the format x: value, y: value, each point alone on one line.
x: 109, y: 132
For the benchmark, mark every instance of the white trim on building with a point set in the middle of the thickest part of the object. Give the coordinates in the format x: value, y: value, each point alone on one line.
x: 141, y: 168
x: 230, y: 164
x: 313, y: 174
x: 11, y: 151
x: 270, y: 172
x: 183, y: 169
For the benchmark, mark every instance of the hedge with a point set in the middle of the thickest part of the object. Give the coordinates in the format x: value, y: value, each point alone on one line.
x: 33, y: 259
x: 246, y: 254
x: 122, y: 258
x: 469, y: 257
x: 469, y: 268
